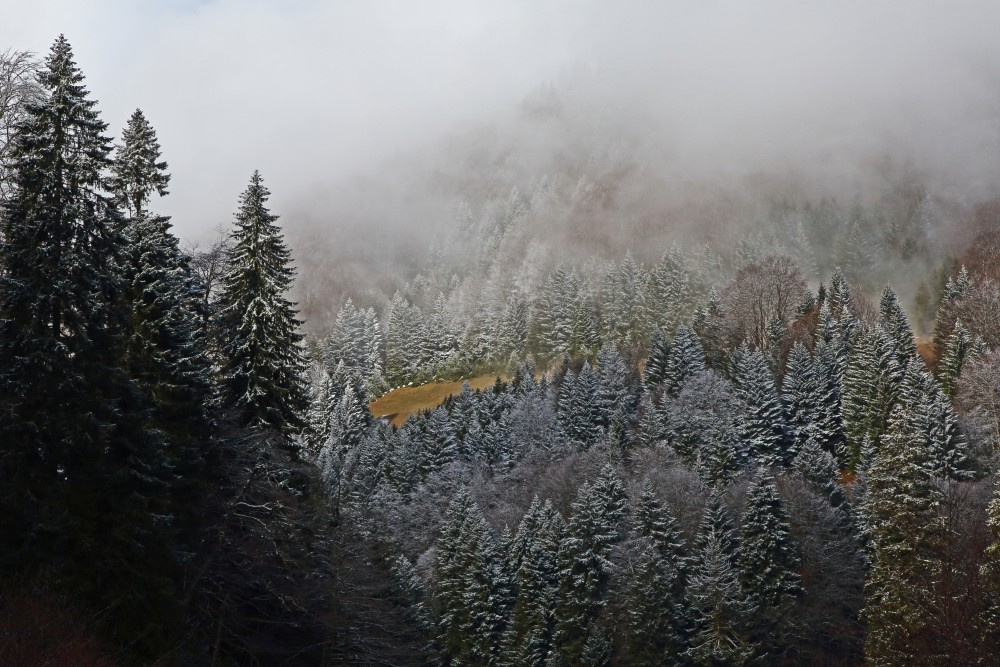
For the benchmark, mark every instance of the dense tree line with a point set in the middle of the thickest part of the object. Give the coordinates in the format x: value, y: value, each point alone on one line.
x: 147, y: 502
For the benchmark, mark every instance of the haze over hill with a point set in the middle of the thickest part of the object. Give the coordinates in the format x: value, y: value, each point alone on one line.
x: 368, y: 119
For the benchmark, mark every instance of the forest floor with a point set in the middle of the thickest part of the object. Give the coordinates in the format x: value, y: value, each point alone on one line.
x: 399, y: 404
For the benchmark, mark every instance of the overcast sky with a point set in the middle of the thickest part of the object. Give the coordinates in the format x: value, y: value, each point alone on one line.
x: 310, y: 92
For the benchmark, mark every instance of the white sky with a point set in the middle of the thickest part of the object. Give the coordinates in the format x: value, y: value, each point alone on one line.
x: 310, y: 92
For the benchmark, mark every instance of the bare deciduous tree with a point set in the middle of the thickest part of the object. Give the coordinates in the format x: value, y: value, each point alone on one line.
x: 18, y: 87
x: 761, y: 294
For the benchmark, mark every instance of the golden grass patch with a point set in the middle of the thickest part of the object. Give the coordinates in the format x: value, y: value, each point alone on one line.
x: 399, y: 404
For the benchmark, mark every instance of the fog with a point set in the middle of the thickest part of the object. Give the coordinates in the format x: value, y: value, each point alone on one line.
x: 365, y: 117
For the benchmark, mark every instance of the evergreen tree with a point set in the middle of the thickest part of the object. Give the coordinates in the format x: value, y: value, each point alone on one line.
x: 769, y: 561
x: 801, y: 396
x: 686, y: 359
x: 990, y: 570
x: 905, y: 530
x: 537, y: 576
x: 721, y: 608
x: 658, y: 619
x: 764, y: 426
x: 896, y: 325
x: 653, y: 521
x: 656, y: 363
x: 85, y: 485
x: 872, y: 380
x: 470, y: 597
x: 263, y: 362
x: 819, y: 469
x: 584, y: 566
x: 956, y: 351
x: 828, y: 427
x: 165, y: 344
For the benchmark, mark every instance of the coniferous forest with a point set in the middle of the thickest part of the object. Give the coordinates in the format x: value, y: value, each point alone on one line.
x: 776, y: 445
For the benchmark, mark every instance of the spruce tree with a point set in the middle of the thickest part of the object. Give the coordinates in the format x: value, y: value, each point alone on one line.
x: 801, y: 396
x: 686, y: 359
x: 529, y: 637
x: 584, y: 567
x: 721, y: 608
x: 769, y: 561
x: 658, y: 619
x: 872, y: 380
x: 85, y: 486
x: 956, y: 351
x: 166, y: 350
x: 764, y: 426
x: 990, y: 571
x: 905, y: 530
x: 263, y: 364
x: 656, y: 362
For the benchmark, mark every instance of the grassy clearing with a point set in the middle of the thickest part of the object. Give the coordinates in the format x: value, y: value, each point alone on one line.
x: 399, y: 404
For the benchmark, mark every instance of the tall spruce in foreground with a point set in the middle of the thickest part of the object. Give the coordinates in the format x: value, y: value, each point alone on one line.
x: 84, y: 480
x: 166, y: 350
x: 263, y: 364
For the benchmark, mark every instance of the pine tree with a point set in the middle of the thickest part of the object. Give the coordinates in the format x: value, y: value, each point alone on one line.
x: 768, y: 559
x: 85, y: 486
x: 263, y: 364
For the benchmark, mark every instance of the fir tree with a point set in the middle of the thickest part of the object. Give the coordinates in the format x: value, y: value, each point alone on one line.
x: 263, y: 364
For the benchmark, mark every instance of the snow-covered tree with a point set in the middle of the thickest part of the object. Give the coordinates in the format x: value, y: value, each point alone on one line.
x: 768, y: 560
x: 263, y: 362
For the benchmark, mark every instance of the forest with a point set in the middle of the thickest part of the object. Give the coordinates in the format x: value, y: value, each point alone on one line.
x: 768, y: 441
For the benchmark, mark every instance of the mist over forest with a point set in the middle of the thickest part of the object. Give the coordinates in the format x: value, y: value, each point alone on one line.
x: 527, y: 333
